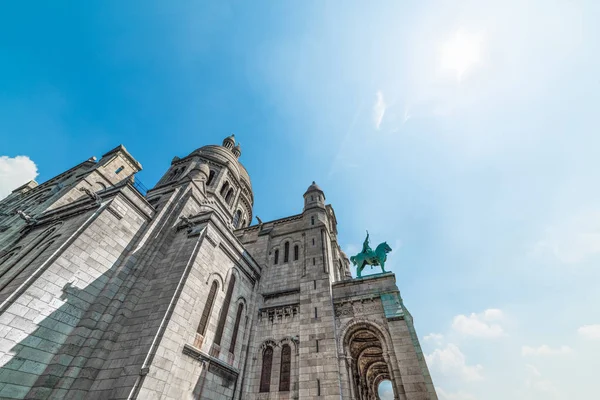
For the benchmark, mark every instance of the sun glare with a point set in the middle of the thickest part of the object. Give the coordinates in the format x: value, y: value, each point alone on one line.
x: 461, y: 52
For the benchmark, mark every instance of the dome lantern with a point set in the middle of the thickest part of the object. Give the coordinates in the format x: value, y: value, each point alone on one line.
x: 229, y: 142
x: 237, y: 151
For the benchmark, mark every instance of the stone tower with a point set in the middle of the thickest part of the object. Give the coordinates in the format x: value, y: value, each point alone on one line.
x: 107, y: 292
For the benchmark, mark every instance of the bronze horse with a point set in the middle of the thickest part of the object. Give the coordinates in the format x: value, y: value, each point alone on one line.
x: 377, y: 257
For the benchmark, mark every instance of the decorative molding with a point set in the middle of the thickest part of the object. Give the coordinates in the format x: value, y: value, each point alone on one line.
x: 288, y: 219
x: 358, y: 307
x: 268, y: 343
x: 280, y: 293
x: 278, y: 314
x: 216, y: 366
x: 295, y: 340
x: 114, y: 212
x: 211, y: 240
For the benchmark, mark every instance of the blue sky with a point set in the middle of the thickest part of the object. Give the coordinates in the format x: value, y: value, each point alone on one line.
x: 464, y: 133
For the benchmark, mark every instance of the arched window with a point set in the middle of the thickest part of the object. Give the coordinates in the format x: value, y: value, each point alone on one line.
x: 236, y: 327
x: 276, y: 257
x: 173, y: 175
x: 286, y: 252
x: 296, y: 252
x: 6, y: 258
x: 224, y: 188
x: 236, y: 219
x: 207, y: 309
x: 9, y: 254
x: 229, y: 195
x: 224, y: 311
x: 265, y: 374
x: 284, y: 374
x: 312, y: 220
x: 211, y: 177
x: 13, y: 271
x: 38, y: 241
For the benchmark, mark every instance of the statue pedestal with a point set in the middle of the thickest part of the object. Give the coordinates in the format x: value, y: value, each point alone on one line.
x: 372, y: 276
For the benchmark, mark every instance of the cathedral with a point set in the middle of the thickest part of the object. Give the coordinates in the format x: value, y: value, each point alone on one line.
x: 109, y: 291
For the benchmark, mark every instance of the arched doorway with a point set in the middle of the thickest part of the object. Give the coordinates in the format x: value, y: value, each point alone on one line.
x: 365, y: 347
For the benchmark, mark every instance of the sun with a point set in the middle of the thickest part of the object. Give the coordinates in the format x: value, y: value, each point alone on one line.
x: 461, y: 52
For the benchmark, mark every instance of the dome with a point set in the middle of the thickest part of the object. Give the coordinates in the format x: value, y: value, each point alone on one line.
x: 314, y: 187
x: 225, y: 157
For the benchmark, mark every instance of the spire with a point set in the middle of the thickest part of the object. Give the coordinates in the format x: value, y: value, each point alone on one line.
x: 229, y: 142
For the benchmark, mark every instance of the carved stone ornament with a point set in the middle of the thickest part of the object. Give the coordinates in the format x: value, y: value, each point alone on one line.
x: 28, y: 219
x: 92, y: 195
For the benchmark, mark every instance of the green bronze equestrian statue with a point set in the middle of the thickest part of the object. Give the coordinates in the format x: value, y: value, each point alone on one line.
x: 370, y: 257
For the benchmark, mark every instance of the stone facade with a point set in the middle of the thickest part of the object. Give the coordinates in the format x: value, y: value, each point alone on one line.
x: 110, y: 293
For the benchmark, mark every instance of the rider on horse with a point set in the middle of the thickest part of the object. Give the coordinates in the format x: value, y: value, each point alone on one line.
x: 366, y: 248
x: 370, y: 257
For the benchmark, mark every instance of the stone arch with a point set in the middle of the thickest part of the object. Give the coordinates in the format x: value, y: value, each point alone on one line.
x: 233, y: 271
x: 216, y: 276
x: 367, y: 348
x: 292, y: 341
x: 357, y: 323
x: 377, y: 381
x: 367, y: 345
x: 268, y: 342
x: 9, y: 254
x: 242, y: 299
x: 287, y: 238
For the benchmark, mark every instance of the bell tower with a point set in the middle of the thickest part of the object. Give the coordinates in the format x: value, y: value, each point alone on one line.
x: 314, y: 197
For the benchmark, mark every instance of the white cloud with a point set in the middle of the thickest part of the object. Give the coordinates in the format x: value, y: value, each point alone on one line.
x: 379, y: 109
x: 14, y: 172
x: 571, y: 241
x: 535, y: 381
x: 451, y: 361
x: 590, y: 331
x: 545, y: 350
x: 460, y: 395
x: 434, y: 337
x: 480, y: 325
